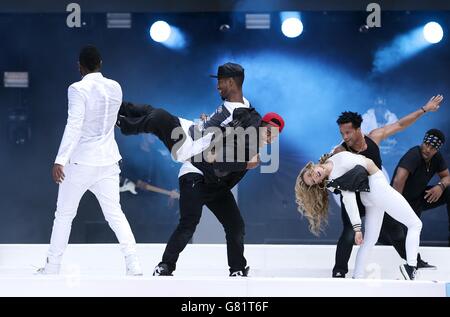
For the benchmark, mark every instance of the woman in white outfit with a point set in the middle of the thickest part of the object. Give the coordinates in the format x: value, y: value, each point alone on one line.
x: 378, y: 197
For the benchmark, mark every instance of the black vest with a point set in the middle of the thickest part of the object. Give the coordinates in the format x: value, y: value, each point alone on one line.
x: 372, y: 151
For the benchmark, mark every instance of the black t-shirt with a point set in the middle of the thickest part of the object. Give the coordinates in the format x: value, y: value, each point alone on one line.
x: 372, y: 152
x: 420, y: 172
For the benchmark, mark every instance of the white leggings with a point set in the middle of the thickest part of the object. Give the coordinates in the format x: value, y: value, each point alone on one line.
x: 383, y: 198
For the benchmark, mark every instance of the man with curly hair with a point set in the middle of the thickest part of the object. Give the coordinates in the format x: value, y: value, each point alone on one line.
x: 368, y: 145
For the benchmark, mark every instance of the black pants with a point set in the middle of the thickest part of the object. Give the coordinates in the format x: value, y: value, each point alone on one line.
x: 345, y: 243
x: 392, y: 232
x: 395, y: 232
x: 135, y: 119
x: 194, y: 193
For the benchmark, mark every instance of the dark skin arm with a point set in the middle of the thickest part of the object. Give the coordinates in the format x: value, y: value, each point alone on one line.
x: 445, y: 177
x: 400, y: 178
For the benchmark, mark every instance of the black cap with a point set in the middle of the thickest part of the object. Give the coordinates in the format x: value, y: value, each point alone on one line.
x: 229, y: 70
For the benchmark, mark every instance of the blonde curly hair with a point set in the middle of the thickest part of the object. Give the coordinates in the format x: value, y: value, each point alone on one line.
x: 312, y: 200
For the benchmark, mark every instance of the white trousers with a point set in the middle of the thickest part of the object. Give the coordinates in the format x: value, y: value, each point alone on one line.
x: 103, y: 182
x: 383, y: 198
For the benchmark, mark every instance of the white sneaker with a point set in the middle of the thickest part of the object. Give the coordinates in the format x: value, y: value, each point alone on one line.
x: 133, y: 265
x: 49, y: 269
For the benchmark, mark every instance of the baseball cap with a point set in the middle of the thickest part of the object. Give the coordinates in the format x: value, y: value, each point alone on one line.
x: 274, y: 119
x: 229, y: 70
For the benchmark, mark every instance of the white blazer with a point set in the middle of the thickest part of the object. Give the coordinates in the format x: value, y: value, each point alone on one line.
x: 88, y: 137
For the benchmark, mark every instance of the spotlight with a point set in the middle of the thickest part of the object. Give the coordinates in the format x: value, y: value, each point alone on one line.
x: 292, y: 27
x: 224, y: 28
x: 433, y: 32
x: 160, y: 31
x: 364, y: 28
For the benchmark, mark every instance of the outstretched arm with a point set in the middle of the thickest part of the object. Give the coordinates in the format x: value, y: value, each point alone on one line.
x: 378, y: 135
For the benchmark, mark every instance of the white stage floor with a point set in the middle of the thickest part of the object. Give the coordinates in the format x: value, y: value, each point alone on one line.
x: 276, y: 271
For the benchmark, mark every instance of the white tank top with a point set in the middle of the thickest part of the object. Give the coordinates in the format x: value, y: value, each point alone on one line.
x: 345, y: 161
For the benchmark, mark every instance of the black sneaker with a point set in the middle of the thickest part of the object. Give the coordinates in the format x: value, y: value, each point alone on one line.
x: 408, y: 272
x: 241, y: 272
x: 338, y: 275
x: 422, y: 265
x: 162, y: 269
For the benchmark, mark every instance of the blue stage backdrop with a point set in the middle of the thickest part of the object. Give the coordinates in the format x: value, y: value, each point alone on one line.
x: 309, y: 80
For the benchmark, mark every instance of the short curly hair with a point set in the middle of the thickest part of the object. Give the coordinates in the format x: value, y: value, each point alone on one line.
x: 350, y: 117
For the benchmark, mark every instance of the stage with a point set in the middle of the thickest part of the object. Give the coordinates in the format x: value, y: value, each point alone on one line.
x: 276, y: 271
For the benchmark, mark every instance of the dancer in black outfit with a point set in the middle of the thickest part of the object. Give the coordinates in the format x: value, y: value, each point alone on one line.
x: 413, y: 173
x: 208, y: 182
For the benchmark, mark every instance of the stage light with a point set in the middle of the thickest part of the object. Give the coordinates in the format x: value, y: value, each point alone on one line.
x: 160, y: 31
x: 224, y: 28
x: 433, y: 32
x: 292, y: 27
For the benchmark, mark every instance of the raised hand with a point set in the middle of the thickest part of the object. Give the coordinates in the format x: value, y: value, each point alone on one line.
x: 433, y: 104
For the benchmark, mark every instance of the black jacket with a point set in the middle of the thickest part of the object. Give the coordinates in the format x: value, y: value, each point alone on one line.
x: 230, y: 169
x: 355, y: 180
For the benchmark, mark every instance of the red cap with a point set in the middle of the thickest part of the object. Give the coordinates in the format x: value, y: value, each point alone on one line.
x: 274, y: 119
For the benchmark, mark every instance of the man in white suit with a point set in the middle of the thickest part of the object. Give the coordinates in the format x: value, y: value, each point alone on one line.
x: 88, y: 159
